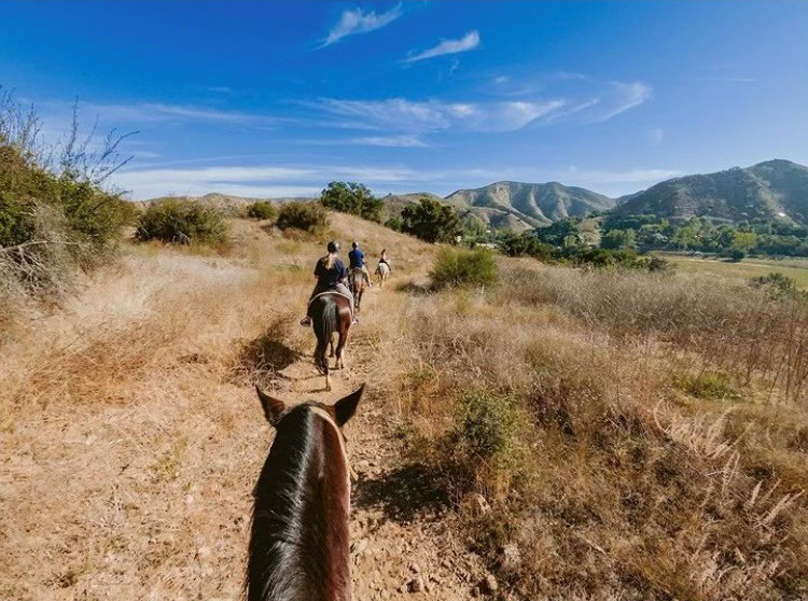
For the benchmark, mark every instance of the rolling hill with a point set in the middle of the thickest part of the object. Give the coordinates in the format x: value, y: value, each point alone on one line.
x: 524, y: 206
x: 776, y: 189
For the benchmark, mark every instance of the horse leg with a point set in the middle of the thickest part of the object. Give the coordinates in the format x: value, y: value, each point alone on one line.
x: 331, y: 354
x: 343, y: 338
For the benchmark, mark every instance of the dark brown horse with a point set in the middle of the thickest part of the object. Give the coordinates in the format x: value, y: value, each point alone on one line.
x: 358, y: 283
x: 299, y: 541
x: 330, y: 314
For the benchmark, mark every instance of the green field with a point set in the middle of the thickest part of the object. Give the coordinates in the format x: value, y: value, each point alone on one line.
x: 796, y: 269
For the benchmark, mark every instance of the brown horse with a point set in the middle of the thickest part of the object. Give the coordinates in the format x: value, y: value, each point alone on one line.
x: 330, y: 314
x: 299, y: 540
x: 358, y: 282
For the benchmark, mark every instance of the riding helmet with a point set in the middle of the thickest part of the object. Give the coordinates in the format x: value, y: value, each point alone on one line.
x: 333, y: 246
x: 354, y: 244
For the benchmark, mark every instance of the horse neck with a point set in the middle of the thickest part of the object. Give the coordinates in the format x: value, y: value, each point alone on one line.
x: 299, y: 545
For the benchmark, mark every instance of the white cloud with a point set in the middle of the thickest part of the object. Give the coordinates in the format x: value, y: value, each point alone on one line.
x: 220, y: 89
x: 620, y: 97
x: 468, y: 42
x: 390, y: 141
x: 357, y: 21
x: 148, y: 113
x: 167, y: 112
x: 631, y: 176
x: 399, y: 114
x: 284, y: 180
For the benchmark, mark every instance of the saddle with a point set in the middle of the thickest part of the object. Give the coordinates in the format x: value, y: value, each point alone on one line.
x: 335, y: 292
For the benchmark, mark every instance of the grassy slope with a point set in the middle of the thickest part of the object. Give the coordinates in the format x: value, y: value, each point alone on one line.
x: 129, y: 422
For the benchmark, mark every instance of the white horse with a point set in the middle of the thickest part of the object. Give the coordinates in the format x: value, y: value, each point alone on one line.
x: 382, y: 273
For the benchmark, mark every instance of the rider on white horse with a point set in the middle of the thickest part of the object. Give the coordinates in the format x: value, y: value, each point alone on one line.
x: 331, y: 277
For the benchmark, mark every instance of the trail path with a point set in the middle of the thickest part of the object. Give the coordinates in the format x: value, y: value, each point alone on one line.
x: 403, y: 544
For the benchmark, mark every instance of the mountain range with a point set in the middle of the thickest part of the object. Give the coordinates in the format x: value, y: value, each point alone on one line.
x: 776, y: 189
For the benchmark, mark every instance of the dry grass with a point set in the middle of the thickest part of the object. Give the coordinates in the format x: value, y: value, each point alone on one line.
x: 132, y: 436
x: 128, y: 421
x: 632, y: 488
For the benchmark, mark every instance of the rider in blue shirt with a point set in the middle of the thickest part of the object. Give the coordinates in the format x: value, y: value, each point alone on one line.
x: 356, y: 260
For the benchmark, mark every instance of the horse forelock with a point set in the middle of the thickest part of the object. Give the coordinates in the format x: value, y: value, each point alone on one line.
x: 299, y: 540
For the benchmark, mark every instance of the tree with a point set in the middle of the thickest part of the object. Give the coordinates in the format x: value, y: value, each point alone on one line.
x: 558, y: 232
x: 431, y: 220
x: 619, y: 239
x: 473, y: 227
x: 744, y: 241
x: 353, y: 198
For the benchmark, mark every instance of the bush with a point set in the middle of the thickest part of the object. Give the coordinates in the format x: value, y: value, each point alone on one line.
x: 262, y: 209
x: 55, y: 215
x: 776, y: 284
x: 520, y: 245
x: 431, y: 221
x: 456, y: 268
x: 306, y: 216
x: 181, y: 222
x: 352, y: 198
x: 394, y: 223
x: 708, y: 385
x: 487, y: 427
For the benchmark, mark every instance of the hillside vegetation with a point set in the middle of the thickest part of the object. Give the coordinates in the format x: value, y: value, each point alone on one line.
x: 588, y: 435
x: 776, y: 190
x: 57, y: 219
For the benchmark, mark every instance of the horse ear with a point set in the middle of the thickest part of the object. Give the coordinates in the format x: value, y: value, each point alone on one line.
x: 346, y: 407
x: 273, y: 408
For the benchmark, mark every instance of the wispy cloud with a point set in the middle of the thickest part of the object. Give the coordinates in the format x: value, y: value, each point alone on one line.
x: 220, y: 89
x: 400, y: 114
x: 151, y: 112
x: 285, y: 180
x: 390, y: 141
x: 629, y: 176
x: 620, y: 97
x: 356, y: 21
x: 468, y: 42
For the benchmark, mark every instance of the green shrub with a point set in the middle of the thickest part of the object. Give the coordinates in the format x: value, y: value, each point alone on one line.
x: 181, y: 222
x: 306, y: 216
x: 520, y: 245
x: 353, y: 198
x: 708, y: 385
x: 16, y: 220
x: 431, y: 221
x: 455, y: 268
x: 262, y: 209
x: 394, y: 223
x: 776, y: 284
x: 487, y: 427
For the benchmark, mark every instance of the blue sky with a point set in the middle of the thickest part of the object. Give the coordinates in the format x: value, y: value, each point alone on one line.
x: 277, y: 99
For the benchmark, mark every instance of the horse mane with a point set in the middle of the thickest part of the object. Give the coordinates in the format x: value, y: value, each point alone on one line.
x: 286, y: 530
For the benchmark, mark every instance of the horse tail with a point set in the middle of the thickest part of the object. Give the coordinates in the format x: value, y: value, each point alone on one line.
x: 324, y: 329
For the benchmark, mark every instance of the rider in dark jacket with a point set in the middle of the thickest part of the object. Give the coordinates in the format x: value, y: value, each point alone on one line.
x: 331, y: 276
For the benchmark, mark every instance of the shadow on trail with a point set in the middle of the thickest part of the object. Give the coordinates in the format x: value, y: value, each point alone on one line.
x: 262, y: 358
x: 404, y: 494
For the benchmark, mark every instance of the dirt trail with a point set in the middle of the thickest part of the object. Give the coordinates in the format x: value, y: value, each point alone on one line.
x: 132, y: 436
x: 403, y: 544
